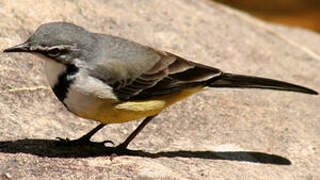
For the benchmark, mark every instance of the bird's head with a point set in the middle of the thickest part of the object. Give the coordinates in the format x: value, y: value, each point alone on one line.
x: 60, y: 41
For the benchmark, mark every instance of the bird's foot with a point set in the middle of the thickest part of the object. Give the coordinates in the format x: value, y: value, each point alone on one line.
x: 121, y: 149
x: 83, y: 141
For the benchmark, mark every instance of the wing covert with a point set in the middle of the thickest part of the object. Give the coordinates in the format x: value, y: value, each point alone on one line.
x: 170, y: 74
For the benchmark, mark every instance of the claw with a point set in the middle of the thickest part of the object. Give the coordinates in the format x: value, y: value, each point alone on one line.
x: 121, y: 149
x: 63, y: 139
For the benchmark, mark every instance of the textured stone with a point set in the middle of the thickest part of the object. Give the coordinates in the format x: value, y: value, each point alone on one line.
x: 216, y: 134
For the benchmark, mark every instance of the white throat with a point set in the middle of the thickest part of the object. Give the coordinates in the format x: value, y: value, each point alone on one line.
x: 53, y: 70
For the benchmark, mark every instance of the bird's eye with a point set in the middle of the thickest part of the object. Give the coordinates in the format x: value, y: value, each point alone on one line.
x: 54, y: 52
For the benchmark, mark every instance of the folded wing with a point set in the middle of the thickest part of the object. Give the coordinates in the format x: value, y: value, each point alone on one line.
x: 171, y: 74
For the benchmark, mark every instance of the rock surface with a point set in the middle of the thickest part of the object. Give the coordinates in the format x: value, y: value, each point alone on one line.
x: 216, y: 134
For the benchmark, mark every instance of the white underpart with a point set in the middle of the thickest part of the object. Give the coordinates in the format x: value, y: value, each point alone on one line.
x: 87, y: 92
x: 53, y: 70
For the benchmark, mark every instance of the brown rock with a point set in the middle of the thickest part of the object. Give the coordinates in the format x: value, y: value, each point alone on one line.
x: 217, y: 134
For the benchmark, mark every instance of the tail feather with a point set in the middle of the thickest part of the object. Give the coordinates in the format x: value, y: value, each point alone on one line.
x: 242, y: 81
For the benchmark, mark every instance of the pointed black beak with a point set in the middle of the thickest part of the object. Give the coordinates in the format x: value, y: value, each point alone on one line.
x: 25, y: 47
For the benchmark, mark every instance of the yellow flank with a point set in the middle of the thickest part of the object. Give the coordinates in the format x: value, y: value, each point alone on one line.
x: 141, y: 106
x: 114, y: 112
x: 178, y: 96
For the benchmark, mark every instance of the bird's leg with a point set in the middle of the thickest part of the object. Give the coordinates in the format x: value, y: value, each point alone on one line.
x: 123, y: 146
x: 85, y: 139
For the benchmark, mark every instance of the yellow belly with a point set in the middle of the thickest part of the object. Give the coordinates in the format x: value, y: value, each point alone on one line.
x: 107, y: 112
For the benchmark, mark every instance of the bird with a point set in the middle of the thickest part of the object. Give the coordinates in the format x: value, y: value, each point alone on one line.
x: 110, y: 79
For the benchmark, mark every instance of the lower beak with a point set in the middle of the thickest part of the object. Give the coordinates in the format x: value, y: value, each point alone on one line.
x: 25, y: 47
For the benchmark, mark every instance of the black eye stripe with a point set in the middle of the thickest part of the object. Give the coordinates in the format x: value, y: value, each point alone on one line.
x: 53, y: 52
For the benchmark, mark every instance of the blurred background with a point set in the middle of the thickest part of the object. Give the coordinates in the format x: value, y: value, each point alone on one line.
x: 301, y: 13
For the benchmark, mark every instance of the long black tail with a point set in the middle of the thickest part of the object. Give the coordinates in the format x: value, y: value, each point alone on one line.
x: 241, y: 81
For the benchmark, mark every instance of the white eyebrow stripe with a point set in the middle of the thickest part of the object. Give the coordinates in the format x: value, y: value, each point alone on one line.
x: 60, y: 47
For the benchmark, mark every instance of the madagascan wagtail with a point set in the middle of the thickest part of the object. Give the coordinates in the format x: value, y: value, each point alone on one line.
x: 113, y: 80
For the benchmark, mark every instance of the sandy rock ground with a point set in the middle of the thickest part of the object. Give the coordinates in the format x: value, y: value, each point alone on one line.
x: 216, y: 134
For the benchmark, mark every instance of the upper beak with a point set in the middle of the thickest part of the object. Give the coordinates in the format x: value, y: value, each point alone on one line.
x: 25, y: 47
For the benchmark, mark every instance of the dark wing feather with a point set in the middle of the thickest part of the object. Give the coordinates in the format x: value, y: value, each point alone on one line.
x: 171, y: 74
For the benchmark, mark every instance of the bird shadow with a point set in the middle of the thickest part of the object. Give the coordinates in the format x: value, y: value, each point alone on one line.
x: 52, y: 148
